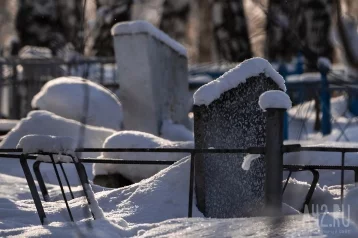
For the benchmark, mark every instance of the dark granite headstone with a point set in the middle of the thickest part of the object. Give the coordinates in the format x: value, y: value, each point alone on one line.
x: 235, y: 120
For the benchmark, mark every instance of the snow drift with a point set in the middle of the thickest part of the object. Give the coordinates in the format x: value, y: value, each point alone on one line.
x: 47, y: 123
x: 136, y: 139
x: 66, y: 97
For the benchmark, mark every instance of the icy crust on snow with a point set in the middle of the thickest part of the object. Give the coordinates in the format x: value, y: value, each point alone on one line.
x: 47, y: 123
x: 67, y: 97
x: 274, y: 99
x: 47, y: 143
x: 207, y: 93
x: 138, y: 27
x: 137, y: 139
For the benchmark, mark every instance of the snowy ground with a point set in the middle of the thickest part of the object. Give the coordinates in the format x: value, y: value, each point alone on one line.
x: 158, y: 205
x: 151, y: 208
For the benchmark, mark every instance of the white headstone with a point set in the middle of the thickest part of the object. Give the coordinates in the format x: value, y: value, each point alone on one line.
x: 153, y: 76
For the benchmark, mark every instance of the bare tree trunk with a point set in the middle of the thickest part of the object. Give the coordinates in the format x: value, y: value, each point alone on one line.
x: 317, y: 16
x: 205, y: 41
x: 230, y: 31
x: 38, y: 24
x: 283, y: 30
x: 109, y: 12
x: 174, y: 20
x: 71, y: 14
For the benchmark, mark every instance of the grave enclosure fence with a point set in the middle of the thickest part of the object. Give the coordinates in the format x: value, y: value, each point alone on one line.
x: 21, y: 79
x: 314, y: 169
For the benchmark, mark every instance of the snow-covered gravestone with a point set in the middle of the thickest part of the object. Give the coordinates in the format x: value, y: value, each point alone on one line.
x: 36, y: 71
x: 153, y: 76
x: 227, y: 115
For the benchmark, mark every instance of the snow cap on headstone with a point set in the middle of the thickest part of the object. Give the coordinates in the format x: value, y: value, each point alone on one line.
x: 144, y: 27
x: 206, y: 94
x: 274, y: 99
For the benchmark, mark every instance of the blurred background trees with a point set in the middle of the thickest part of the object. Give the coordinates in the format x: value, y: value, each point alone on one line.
x: 212, y: 30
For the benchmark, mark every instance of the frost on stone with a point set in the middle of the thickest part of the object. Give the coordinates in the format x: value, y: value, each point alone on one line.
x: 144, y: 27
x: 50, y: 144
x: 274, y: 99
x: 206, y: 94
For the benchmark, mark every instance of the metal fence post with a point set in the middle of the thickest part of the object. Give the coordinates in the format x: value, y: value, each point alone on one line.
x: 274, y: 161
x: 14, y: 95
x: 284, y: 73
x: 325, y: 99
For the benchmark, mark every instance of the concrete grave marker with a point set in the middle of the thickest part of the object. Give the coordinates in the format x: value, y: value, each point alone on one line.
x: 227, y: 115
x: 153, y: 76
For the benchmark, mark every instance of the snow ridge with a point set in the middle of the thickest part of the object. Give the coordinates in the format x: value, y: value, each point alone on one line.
x: 207, y: 93
x: 137, y: 27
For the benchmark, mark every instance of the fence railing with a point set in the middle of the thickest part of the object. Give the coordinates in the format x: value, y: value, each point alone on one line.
x: 21, y: 79
x: 254, y: 150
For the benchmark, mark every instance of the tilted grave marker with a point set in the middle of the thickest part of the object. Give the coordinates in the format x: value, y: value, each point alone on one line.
x: 153, y: 76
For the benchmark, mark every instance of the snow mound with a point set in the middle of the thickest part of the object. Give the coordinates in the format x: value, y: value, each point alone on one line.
x: 296, y: 191
x: 207, y: 93
x: 47, y: 123
x: 46, y: 143
x: 140, y: 27
x: 274, y: 99
x: 136, y: 139
x: 175, y: 132
x: 350, y: 208
x: 156, y: 199
x: 70, y: 96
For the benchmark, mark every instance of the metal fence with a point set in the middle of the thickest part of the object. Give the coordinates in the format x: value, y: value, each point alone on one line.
x: 21, y: 79
x: 254, y: 150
